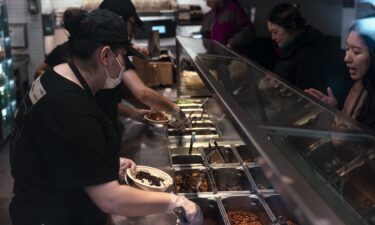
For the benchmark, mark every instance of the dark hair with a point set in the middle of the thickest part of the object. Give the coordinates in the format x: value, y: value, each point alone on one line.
x: 77, y: 23
x: 287, y: 16
x: 366, y: 113
x: 369, y: 40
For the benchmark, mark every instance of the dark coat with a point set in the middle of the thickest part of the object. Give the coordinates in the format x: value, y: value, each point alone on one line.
x: 302, y: 61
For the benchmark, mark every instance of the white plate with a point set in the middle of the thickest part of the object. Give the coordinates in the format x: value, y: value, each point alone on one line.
x: 159, y: 121
x: 145, y: 184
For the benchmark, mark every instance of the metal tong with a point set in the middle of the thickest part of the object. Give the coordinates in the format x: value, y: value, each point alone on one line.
x: 202, y: 107
x: 210, y: 152
x: 219, y: 151
x: 213, y: 150
x: 192, y: 139
x: 204, y: 103
x: 201, y: 116
x: 181, y: 214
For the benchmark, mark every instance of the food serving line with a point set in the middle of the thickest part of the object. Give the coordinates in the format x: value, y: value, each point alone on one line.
x: 207, y: 163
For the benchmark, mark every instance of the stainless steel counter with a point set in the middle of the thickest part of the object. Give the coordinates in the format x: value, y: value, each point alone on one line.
x: 237, y: 177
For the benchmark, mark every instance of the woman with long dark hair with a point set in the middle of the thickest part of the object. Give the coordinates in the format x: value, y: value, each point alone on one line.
x: 360, y: 60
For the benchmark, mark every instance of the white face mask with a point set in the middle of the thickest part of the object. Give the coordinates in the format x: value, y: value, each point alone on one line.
x: 113, y: 82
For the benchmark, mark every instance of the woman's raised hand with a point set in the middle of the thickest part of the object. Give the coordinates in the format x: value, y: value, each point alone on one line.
x: 329, y: 99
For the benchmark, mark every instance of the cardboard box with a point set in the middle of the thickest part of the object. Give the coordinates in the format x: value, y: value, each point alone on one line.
x: 154, y: 73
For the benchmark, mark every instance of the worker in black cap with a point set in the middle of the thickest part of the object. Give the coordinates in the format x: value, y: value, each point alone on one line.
x: 109, y: 100
x: 126, y: 10
x: 63, y: 153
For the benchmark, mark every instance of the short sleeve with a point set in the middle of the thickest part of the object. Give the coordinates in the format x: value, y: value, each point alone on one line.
x: 77, y: 153
x: 128, y: 64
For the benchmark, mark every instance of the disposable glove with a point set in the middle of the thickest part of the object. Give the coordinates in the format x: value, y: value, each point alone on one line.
x: 126, y: 164
x: 193, y: 212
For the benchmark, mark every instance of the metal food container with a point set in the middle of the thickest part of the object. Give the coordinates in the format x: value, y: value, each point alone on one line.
x: 328, y: 158
x: 188, y: 101
x: 199, y: 132
x: 154, y: 219
x: 244, y: 153
x: 189, y: 106
x: 231, y: 179
x: 211, y: 211
x: 227, y: 155
x: 192, y: 180
x: 302, y: 144
x: 199, y: 124
x: 280, y: 210
x: 359, y: 187
x: 180, y: 156
x: 242, y: 209
x: 260, y: 180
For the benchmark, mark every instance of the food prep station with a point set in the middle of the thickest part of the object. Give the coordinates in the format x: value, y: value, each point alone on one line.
x: 257, y: 150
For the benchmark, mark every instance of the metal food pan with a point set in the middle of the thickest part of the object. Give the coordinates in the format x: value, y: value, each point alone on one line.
x: 280, y: 210
x: 195, y: 110
x: 198, y: 132
x: 180, y: 156
x: 185, y: 179
x: 230, y: 179
x: 359, y: 187
x: 198, y: 115
x: 328, y: 158
x: 227, y: 156
x: 188, y: 101
x: 260, y: 180
x: 189, y: 106
x: 199, y: 124
x: 245, y: 205
x: 154, y: 219
x: 212, y: 214
x: 245, y: 154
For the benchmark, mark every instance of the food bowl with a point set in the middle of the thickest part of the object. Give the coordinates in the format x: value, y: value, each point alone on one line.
x: 157, y: 117
x: 159, y: 180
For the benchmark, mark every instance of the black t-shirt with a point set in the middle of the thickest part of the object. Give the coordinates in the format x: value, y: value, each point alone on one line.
x: 61, y: 143
x: 107, y: 99
x: 59, y: 55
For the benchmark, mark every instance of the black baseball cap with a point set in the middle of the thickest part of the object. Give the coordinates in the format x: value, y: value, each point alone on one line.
x: 108, y: 28
x: 124, y: 8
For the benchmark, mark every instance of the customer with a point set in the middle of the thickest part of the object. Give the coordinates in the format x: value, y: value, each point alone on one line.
x: 63, y: 153
x: 228, y: 24
x: 360, y: 60
x: 108, y: 99
x: 301, y: 61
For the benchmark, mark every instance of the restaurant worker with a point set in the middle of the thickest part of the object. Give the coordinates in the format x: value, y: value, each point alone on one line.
x: 63, y: 153
x: 360, y: 60
x: 108, y: 100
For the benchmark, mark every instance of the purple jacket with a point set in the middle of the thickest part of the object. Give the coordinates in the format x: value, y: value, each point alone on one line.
x: 228, y: 25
